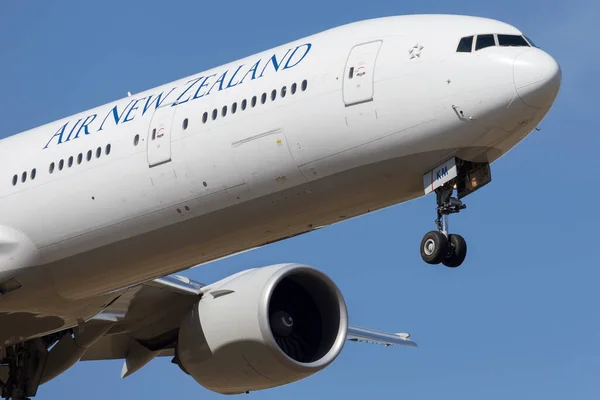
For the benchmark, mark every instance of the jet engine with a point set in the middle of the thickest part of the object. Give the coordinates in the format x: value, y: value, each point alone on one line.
x: 263, y: 328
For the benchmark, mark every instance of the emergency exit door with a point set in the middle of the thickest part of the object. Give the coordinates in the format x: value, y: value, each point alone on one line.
x: 159, y: 136
x: 359, y: 75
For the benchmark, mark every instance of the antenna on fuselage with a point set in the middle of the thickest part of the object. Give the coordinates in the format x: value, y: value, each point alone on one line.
x: 128, y: 94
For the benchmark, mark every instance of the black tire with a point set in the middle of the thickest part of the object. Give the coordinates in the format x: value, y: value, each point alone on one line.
x: 434, y: 247
x: 457, y: 252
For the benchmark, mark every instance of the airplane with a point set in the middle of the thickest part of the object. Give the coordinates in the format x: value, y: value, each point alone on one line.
x: 98, y: 210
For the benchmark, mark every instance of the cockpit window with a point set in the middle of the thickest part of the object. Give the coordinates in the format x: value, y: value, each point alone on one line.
x: 512, y: 40
x: 484, y: 41
x: 465, y: 45
x: 531, y: 42
x: 489, y: 40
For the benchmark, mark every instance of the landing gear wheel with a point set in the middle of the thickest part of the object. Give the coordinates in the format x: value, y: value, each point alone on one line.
x: 457, y: 251
x: 434, y: 247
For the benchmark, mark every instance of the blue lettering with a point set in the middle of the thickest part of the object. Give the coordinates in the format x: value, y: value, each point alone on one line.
x: 219, y: 81
x: 58, y: 133
x: 253, y: 70
x: 287, y: 64
x: 72, y: 130
x: 233, y: 76
x: 133, y: 108
x: 290, y: 59
x: 85, y: 125
x: 193, y: 81
x: 440, y: 173
x: 158, y: 100
x: 202, y: 85
x: 276, y: 64
x: 116, y: 115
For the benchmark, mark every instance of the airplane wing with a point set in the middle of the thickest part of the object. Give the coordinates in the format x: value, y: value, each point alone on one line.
x: 356, y: 334
x: 146, y: 321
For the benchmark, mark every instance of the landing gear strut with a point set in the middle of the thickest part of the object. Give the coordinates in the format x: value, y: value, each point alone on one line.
x: 21, y: 369
x: 440, y: 246
x: 465, y: 177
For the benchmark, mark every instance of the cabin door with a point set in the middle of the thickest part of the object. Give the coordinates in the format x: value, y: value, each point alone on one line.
x: 159, y: 136
x: 359, y: 73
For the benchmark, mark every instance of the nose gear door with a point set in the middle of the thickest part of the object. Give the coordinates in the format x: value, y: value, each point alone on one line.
x: 359, y: 73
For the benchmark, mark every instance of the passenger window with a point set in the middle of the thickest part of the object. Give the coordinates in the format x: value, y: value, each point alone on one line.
x: 89, y: 155
x: 79, y: 158
x: 24, y: 177
x: 512, y: 40
x: 214, y: 114
x: 351, y: 73
x: 253, y: 103
x: 204, y: 117
x: 304, y: 85
x: 61, y: 164
x: 51, y: 169
x: 283, y: 91
x: 294, y: 86
x: 233, y: 108
x: 153, y: 133
x: 108, y: 148
x: 33, y: 173
x: 15, y: 180
x: 273, y: 95
x: 136, y: 140
x: 185, y: 124
x: 224, y: 111
x: 244, y: 104
x: 98, y: 152
x: 263, y: 98
x: 484, y: 41
x: 465, y: 45
x: 70, y: 163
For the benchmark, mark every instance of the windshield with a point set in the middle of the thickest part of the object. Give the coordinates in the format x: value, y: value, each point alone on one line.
x: 465, y: 45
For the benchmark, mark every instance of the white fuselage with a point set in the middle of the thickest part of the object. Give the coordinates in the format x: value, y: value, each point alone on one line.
x: 178, y: 188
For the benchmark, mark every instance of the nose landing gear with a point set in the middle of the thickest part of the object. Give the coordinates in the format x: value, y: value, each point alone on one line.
x: 465, y: 177
x: 440, y: 246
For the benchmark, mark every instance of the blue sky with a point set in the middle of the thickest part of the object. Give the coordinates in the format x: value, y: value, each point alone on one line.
x: 520, y: 318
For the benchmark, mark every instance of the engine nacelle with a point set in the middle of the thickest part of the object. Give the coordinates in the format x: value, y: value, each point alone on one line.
x: 263, y: 328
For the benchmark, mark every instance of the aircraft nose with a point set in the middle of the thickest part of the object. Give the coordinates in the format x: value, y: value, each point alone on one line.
x: 537, y: 78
